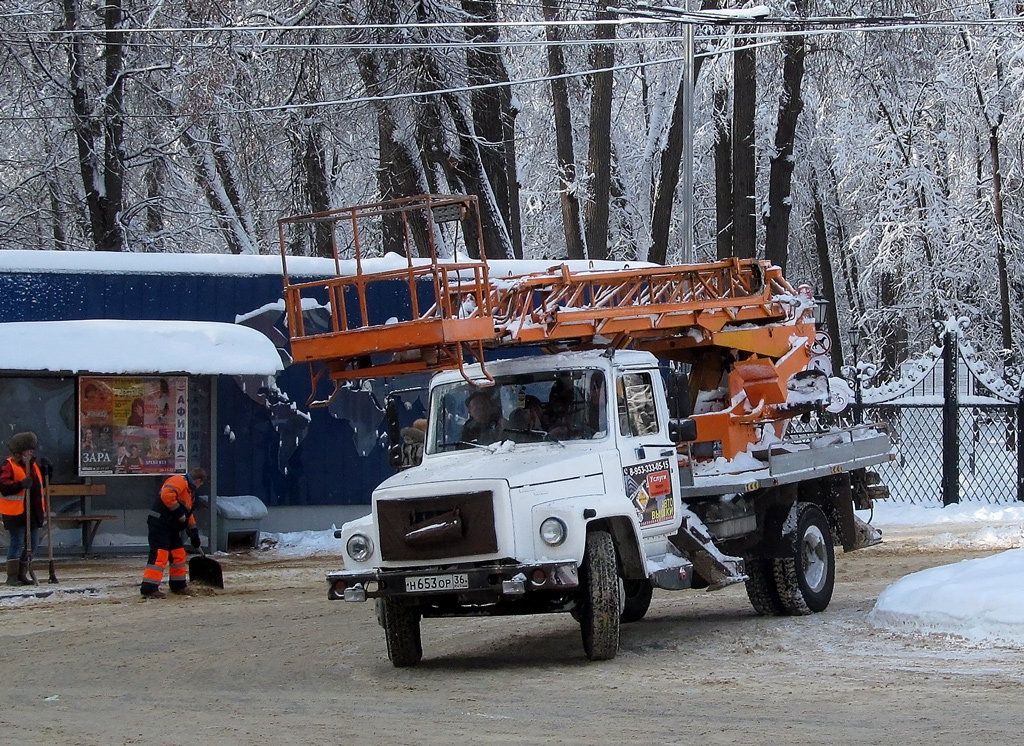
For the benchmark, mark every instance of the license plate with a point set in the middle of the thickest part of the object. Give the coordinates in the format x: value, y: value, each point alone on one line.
x: 425, y: 583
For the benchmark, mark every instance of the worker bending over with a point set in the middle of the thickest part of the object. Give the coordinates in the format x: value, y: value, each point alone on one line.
x: 172, y: 514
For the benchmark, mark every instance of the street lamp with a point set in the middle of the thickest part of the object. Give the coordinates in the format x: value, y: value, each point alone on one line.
x: 858, y: 404
x: 820, y: 311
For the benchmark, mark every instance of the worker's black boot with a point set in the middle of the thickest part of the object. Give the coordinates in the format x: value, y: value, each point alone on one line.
x: 12, y: 572
x: 23, y: 577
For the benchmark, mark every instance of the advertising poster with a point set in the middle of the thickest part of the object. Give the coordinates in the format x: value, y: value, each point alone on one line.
x: 130, y: 425
x: 649, y: 486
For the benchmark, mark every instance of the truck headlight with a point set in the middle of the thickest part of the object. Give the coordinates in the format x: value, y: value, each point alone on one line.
x: 359, y: 547
x: 552, y: 531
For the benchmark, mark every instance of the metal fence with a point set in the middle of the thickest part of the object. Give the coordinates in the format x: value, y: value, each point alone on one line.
x: 986, y: 467
x: 956, y: 426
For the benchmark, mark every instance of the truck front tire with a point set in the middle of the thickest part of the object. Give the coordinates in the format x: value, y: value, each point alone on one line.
x: 402, y: 632
x: 805, y: 581
x: 599, y: 615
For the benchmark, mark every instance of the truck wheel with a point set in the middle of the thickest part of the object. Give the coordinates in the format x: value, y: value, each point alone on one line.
x: 599, y: 613
x: 402, y: 632
x: 761, y: 590
x: 637, y: 596
x: 806, y: 580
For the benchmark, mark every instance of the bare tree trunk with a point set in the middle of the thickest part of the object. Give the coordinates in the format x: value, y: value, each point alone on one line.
x: 400, y: 172
x: 743, y: 164
x: 102, y: 172
x: 993, y: 112
x: 113, y: 128
x: 828, y: 281
x: 723, y: 176
x: 780, y: 208
x: 997, y: 213
x: 217, y: 174
x: 599, y: 153
x: 494, y: 117
x: 671, y: 157
x: 316, y: 181
x: 892, y: 330
x: 572, y: 227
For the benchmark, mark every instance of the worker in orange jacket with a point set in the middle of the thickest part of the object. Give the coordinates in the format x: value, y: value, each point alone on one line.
x: 21, y: 480
x: 172, y: 514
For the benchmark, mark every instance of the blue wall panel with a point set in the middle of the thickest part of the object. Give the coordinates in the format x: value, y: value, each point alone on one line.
x: 326, y: 467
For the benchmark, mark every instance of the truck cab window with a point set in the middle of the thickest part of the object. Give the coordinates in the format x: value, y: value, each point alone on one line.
x: 636, y: 410
x: 548, y: 405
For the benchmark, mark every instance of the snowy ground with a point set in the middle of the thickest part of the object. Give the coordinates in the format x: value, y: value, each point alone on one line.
x: 977, y: 599
x: 269, y: 660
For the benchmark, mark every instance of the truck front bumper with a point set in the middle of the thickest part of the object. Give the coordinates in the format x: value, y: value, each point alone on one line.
x: 493, y: 581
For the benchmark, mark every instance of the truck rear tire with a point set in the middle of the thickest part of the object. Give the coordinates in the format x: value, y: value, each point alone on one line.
x: 599, y: 615
x: 636, y: 596
x: 402, y: 632
x: 761, y: 588
x: 806, y: 580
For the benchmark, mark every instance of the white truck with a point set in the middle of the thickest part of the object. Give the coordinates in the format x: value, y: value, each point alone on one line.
x: 646, y: 443
x: 591, y: 519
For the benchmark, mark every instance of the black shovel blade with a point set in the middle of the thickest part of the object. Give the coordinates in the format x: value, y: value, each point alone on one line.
x: 206, y: 571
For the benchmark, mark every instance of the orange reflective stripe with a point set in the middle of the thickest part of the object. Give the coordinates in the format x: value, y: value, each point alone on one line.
x: 179, y: 564
x: 155, y: 572
x: 12, y: 504
x: 175, y: 492
x: 39, y: 478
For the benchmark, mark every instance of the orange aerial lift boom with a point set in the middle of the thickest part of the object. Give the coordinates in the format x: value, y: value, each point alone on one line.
x: 451, y: 311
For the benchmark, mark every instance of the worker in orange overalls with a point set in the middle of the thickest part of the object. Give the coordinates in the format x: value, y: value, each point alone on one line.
x: 21, y: 480
x: 172, y: 514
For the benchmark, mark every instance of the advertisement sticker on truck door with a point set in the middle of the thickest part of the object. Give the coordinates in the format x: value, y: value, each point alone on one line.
x: 649, y: 486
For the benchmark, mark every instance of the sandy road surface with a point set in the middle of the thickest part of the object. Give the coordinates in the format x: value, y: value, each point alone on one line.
x: 270, y: 661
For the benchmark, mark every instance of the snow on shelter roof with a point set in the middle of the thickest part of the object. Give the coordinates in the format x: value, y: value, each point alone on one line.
x: 121, y: 347
x: 119, y: 262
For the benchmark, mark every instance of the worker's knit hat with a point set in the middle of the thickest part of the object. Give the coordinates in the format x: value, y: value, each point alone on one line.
x: 22, y: 442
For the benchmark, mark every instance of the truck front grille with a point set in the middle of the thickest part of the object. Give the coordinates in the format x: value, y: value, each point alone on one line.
x: 444, y: 526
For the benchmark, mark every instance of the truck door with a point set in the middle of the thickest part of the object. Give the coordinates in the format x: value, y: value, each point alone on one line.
x: 650, y: 471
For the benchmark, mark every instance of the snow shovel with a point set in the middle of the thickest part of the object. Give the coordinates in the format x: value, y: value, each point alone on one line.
x: 49, y: 519
x: 29, y: 572
x: 205, y: 571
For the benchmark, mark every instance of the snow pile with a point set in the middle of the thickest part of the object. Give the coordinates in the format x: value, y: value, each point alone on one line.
x: 301, y: 544
x: 978, y: 600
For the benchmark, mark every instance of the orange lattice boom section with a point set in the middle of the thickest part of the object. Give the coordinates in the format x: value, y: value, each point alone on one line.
x: 451, y: 311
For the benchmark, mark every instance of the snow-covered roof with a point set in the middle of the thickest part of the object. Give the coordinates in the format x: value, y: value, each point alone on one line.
x: 117, y: 347
x: 119, y: 262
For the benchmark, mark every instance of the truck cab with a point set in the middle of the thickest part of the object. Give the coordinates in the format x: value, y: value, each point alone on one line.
x: 497, y: 517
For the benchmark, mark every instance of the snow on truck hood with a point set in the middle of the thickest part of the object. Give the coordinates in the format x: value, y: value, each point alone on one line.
x: 535, y: 464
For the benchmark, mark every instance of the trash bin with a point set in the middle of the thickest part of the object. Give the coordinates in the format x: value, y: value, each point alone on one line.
x: 238, y: 520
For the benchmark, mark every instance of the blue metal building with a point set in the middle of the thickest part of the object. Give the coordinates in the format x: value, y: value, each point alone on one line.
x: 312, y: 467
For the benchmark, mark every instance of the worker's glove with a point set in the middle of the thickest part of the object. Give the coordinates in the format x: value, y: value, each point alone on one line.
x: 46, y: 467
x: 193, y: 534
x: 27, y: 482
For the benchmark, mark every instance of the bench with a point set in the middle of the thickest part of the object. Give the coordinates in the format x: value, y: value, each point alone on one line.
x: 88, y: 522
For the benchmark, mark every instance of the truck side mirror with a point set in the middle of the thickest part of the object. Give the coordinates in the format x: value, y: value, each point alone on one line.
x: 392, y: 426
x: 678, y: 385
x: 683, y: 430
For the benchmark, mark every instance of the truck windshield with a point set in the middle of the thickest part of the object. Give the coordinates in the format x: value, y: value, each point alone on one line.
x: 524, y: 408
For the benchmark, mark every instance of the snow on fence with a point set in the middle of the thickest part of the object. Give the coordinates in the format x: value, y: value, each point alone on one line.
x: 957, y: 436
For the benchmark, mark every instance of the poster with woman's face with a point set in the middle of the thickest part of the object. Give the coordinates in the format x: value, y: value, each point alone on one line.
x: 132, y: 425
